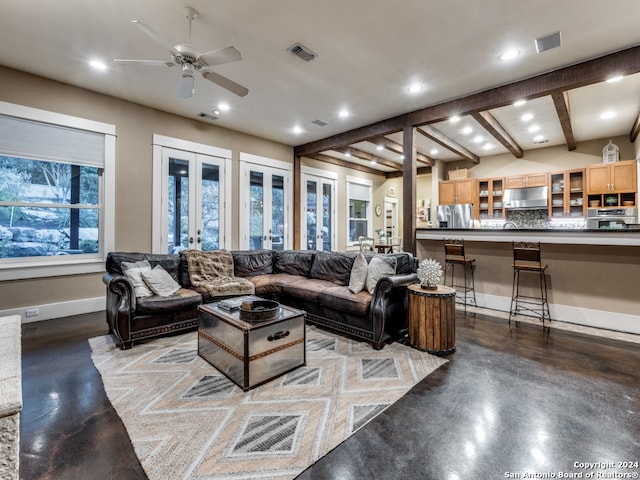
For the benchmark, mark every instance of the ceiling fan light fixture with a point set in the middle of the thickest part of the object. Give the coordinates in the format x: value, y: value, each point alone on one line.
x: 185, y: 86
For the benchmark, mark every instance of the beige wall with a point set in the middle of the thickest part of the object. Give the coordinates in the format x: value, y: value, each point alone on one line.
x: 135, y: 126
x: 548, y: 159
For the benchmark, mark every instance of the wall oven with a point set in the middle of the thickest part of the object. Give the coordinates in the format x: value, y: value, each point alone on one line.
x: 610, y: 218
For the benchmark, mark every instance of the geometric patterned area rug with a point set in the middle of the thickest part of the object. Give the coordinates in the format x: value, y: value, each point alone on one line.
x: 188, y: 421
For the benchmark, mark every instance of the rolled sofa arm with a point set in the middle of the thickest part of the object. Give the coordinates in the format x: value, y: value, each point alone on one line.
x: 121, y: 305
x: 389, y: 306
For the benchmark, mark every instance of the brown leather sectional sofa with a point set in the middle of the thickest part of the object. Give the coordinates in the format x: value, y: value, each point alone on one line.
x: 313, y: 281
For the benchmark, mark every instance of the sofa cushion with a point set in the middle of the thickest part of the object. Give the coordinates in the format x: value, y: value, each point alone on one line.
x: 333, y: 267
x: 247, y: 263
x: 133, y: 271
x: 170, y: 262
x: 293, y: 262
x: 181, y: 299
x: 358, y: 278
x: 342, y: 299
x: 306, y: 289
x: 159, y: 281
x: 273, y: 284
x: 379, y: 266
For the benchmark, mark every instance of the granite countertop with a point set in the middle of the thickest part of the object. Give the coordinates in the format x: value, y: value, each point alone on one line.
x: 551, y: 230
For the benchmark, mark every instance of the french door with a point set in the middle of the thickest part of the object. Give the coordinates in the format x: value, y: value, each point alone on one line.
x: 318, y: 213
x: 265, y: 207
x: 192, y: 205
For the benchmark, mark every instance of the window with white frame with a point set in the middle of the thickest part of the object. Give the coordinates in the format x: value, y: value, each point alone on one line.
x: 359, y: 194
x: 52, y: 189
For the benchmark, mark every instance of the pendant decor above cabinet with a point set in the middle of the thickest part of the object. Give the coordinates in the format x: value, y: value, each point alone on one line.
x: 610, y: 153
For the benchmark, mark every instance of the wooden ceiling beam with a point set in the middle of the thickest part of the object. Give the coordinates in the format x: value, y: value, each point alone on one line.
x: 493, y: 126
x: 343, y: 163
x: 395, y: 147
x: 563, y: 109
x: 419, y: 171
x: 635, y: 129
x: 362, y: 155
x: 450, y: 144
x: 624, y: 62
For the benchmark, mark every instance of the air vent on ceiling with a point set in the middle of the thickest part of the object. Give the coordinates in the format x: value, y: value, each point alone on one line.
x: 320, y: 123
x: 302, y: 52
x: 548, y: 42
x: 207, y: 116
x: 538, y: 142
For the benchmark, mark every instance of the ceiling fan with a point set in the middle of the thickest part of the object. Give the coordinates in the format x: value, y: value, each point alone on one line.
x: 191, y: 60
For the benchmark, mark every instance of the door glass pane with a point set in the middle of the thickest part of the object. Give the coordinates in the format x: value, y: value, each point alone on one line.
x: 210, y: 198
x: 178, y: 206
x: 327, y: 221
x: 312, y: 205
x: 256, y: 206
x: 277, y: 212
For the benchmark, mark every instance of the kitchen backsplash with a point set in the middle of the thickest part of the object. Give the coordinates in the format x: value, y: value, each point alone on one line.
x: 538, y: 218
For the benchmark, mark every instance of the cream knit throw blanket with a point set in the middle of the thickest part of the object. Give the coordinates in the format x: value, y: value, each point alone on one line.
x: 213, y: 271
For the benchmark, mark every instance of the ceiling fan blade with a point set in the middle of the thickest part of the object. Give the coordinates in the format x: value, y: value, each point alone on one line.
x: 152, y: 34
x: 224, y: 82
x: 220, y: 56
x: 148, y: 63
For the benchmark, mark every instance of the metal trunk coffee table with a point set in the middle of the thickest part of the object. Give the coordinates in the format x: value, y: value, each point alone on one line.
x: 252, y: 352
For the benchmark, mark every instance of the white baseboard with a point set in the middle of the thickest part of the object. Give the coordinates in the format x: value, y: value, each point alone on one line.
x: 588, y: 317
x: 57, y: 310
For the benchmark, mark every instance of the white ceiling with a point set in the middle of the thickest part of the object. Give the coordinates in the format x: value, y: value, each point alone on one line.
x: 369, y: 51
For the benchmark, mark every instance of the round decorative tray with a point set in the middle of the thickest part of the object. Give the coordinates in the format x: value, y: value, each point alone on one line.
x: 259, y: 310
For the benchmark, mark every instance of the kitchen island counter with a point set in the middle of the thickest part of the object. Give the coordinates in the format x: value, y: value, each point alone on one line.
x: 628, y: 236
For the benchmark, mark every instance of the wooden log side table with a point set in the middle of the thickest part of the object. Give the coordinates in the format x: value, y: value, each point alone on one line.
x: 432, y: 319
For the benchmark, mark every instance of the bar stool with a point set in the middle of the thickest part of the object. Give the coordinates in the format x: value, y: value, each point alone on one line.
x: 527, y: 258
x: 454, y: 255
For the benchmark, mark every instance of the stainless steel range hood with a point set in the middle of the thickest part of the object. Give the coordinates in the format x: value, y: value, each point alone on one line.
x: 526, y: 198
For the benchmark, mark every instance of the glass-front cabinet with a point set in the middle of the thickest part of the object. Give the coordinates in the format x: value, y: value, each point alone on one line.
x: 490, y: 191
x: 567, y: 194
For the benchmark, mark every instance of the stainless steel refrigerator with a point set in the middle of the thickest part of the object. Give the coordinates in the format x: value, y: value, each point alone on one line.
x: 455, y: 216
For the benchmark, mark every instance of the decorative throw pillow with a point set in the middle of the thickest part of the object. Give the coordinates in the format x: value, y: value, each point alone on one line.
x: 379, y: 266
x: 133, y: 271
x: 160, y: 282
x: 358, y: 277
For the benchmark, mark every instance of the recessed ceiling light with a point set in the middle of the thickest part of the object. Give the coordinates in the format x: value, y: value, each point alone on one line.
x: 401, y: 157
x: 373, y: 161
x: 434, y: 151
x: 224, y: 107
x: 478, y: 139
x: 379, y: 148
x: 519, y: 103
x: 508, y: 55
x: 343, y: 113
x: 615, y: 78
x: 297, y: 130
x: 415, y: 88
x: 454, y: 119
x: 216, y: 112
x: 534, y: 128
x: 526, y: 117
x: 607, y: 115
x: 467, y: 130
x: 347, y: 154
x: 538, y: 138
x: 98, y: 65
x: 488, y: 146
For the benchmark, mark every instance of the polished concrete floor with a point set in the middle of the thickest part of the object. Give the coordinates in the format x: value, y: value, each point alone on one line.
x: 511, y: 401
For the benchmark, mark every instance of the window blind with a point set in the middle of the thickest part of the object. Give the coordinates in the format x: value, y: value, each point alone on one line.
x: 24, y: 138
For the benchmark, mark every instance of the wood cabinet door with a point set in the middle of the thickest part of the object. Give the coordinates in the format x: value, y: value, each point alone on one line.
x: 514, y: 182
x: 447, y: 192
x: 465, y: 191
x: 597, y: 178
x: 623, y: 176
x: 536, y: 180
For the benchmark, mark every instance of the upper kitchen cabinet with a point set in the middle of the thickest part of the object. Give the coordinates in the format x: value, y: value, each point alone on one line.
x: 567, y: 193
x: 453, y: 192
x: 529, y: 180
x: 616, y: 177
